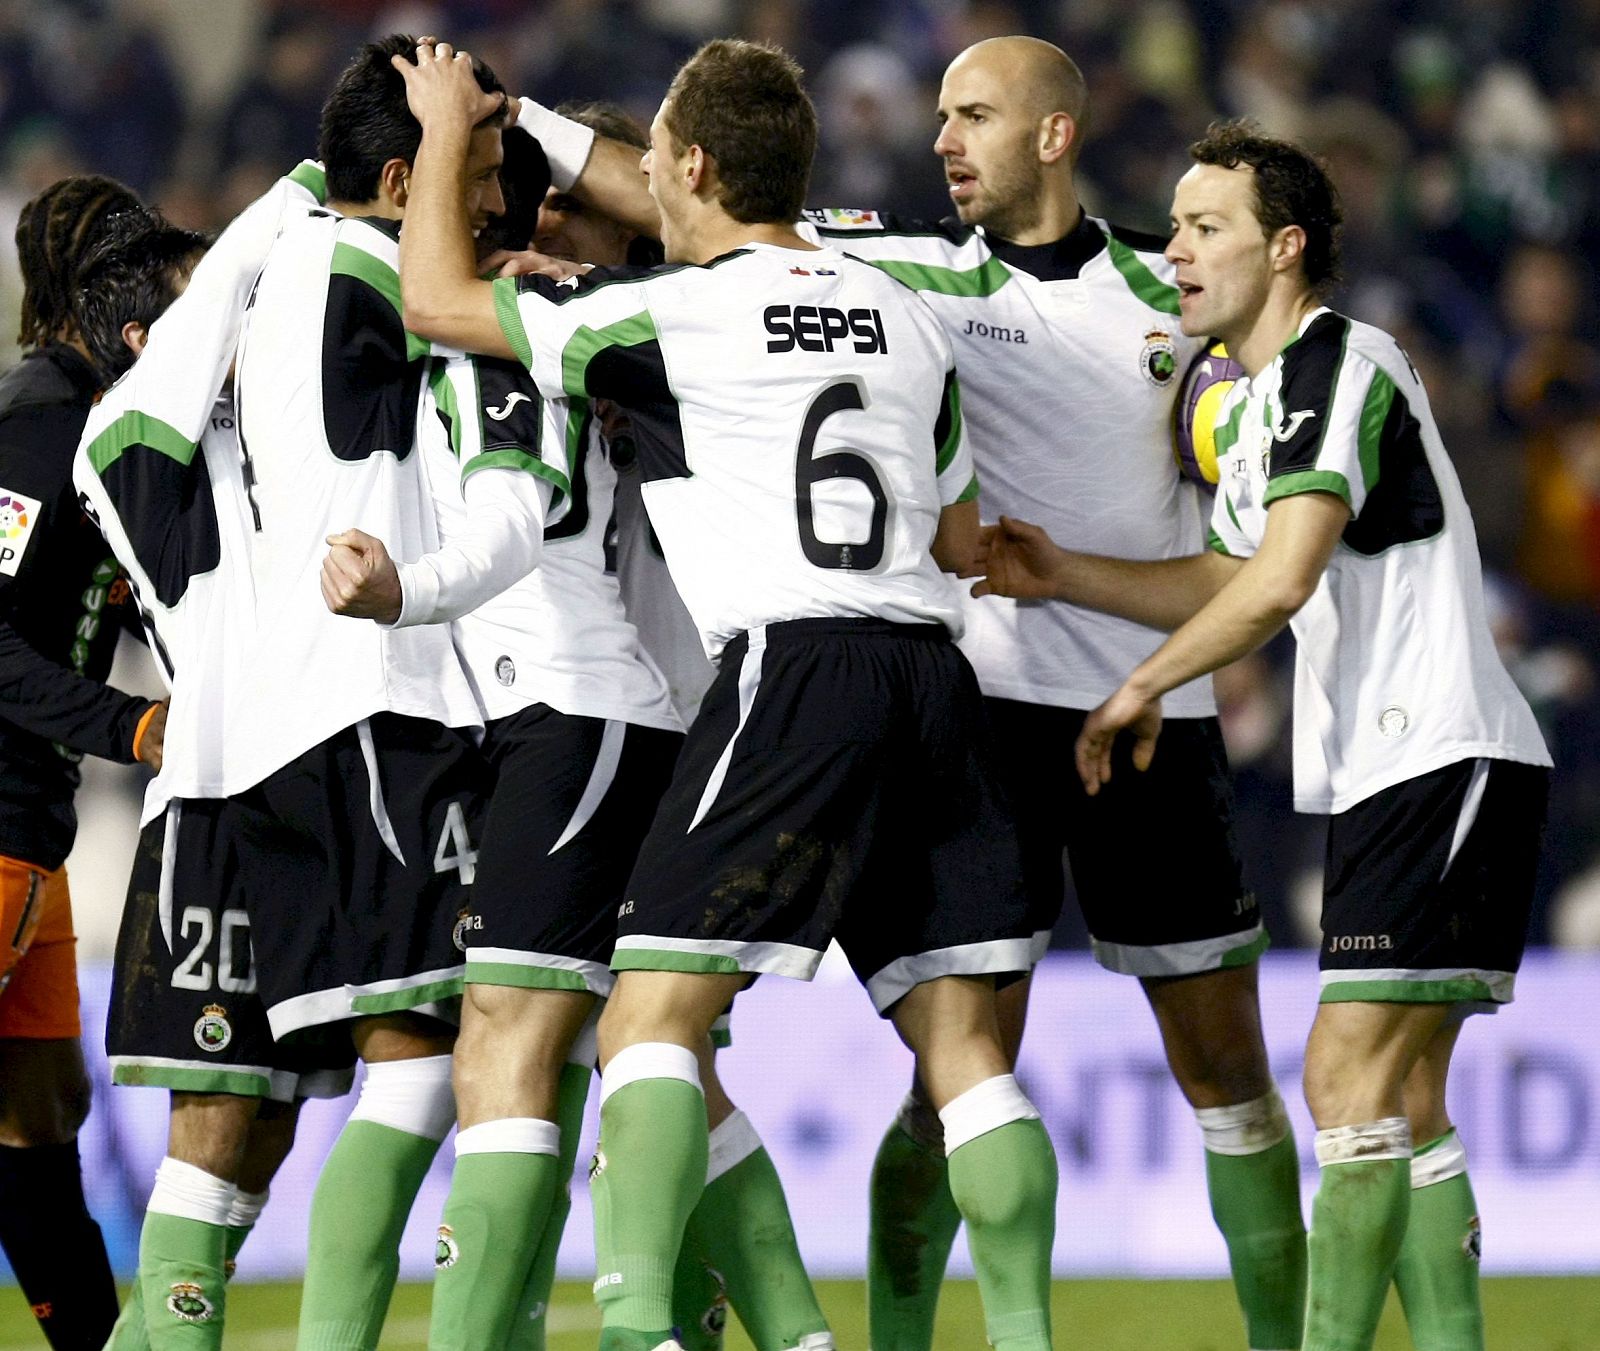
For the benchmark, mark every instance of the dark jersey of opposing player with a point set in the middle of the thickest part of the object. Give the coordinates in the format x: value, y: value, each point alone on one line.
x: 62, y: 603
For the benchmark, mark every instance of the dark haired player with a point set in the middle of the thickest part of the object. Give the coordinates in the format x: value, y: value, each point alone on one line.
x: 1339, y: 515
x: 62, y: 604
x: 803, y: 488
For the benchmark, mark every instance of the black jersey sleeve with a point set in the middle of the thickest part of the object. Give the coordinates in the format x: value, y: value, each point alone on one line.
x: 52, y: 701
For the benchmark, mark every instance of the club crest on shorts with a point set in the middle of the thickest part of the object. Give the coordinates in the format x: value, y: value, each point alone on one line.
x: 446, y: 1251
x: 505, y: 670
x: 1158, y: 360
x: 466, y: 922
x: 212, y: 1030
x: 187, y: 1302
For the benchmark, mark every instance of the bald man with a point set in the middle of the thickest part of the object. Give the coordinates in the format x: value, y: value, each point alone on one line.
x: 1070, y: 352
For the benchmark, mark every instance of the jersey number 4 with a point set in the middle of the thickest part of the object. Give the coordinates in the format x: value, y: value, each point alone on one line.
x: 811, y: 469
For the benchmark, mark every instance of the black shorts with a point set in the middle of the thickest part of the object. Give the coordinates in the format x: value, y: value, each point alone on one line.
x: 838, y: 783
x: 357, y: 857
x: 571, y: 802
x: 185, y: 1013
x: 1154, y: 858
x: 1429, y: 886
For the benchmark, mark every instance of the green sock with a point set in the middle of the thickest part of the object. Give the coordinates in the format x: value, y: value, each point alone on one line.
x: 914, y: 1223
x: 649, y: 1171
x: 358, y: 1214
x: 1357, y: 1223
x: 129, y: 1332
x: 740, y: 1229
x: 493, y: 1217
x: 533, y: 1306
x: 1004, y: 1182
x: 182, y: 1287
x: 1255, y: 1199
x: 1438, y: 1269
x: 699, y: 1294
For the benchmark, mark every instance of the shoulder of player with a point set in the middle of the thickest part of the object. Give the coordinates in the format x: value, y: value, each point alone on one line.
x: 1333, y: 348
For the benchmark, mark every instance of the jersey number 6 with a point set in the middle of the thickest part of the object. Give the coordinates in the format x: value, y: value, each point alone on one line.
x: 811, y: 469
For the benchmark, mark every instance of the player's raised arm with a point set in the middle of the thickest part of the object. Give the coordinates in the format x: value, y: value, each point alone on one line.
x: 442, y: 296
x: 600, y: 172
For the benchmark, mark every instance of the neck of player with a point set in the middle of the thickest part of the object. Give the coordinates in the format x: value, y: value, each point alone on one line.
x: 1059, y: 214
x: 1276, y: 322
x: 725, y: 235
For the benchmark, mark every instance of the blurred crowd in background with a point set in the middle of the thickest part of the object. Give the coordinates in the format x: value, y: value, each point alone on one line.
x: 1464, y: 135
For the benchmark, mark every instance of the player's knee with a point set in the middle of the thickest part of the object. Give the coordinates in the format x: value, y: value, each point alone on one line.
x: 413, y: 1095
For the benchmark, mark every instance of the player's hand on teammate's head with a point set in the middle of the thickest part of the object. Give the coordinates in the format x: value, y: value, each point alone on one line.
x: 526, y: 262
x: 441, y: 89
x: 359, y: 579
x: 1124, y: 711
x: 1017, y: 559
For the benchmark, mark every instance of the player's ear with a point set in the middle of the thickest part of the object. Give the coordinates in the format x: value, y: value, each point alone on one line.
x: 134, y: 336
x: 696, y: 169
x: 1057, y: 134
x: 1288, y: 247
x: 394, y: 182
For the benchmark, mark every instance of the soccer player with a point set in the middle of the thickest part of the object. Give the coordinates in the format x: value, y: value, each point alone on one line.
x: 184, y: 1011
x: 62, y: 605
x: 1066, y: 334
x: 1339, y: 515
x: 798, y: 423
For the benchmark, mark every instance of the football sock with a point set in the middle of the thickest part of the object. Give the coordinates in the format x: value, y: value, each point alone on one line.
x: 1003, y: 1179
x: 242, y: 1216
x: 1253, y: 1175
x: 500, y: 1193
x: 43, y: 1218
x: 914, y: 1223
x: 649, y: 1171
x: 1438, y: 1269
x: 740, y: 1231
x: 362, y: 1200
x: 1357, y: 1223
x: 183, y: 1252
x: 533, y: 1305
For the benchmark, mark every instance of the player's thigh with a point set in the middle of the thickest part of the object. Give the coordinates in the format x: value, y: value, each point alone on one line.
x: 211, y: 1131
x: 38, y: 954
x: 1155, y: 860
x: 44, y: 1091
x: 949, y: 1024
x: 669, y: 1006
x: 1211, y: 1031
x: 1359, y: 1055
x: 572, y: 800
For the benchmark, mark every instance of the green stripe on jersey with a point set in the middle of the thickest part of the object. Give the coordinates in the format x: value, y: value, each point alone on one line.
x: 312, y: 178
x: 350, y: 261
x: 510, y: 457
x: 984, y: 280
x: 1374, y: 413
x: 1144, y: 283
x: 444, y: 394
x: 952, y: 411
x: 138, y: 429
x: 587, y: 343
x: 510, y: 317
x: 970, y: 492
x: 1227, y: 435
x: 1306, y: 481
x: 1214, y: 541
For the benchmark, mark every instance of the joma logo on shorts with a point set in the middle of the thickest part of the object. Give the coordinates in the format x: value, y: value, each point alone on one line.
x: 1361, y: 943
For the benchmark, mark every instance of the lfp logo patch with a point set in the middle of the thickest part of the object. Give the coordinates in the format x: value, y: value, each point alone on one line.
x: 18, y: 516
x: 851, y: 219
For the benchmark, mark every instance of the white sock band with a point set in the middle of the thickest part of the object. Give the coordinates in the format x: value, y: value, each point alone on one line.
x: 566, y: 143
x: 918, y: 1120
x: 409, y: 1095
x: 1440, y: 1161
x: 815, y: 1341
x: 649, y: 1060
x: 510, y: 1135
x: 586, y: 1045
x: 1246, y: 1127
x: 1389, y: 1138
x: 190, y: 1193
x: 734, y: 1141
x: 246, y: 1209
x: 994, y: 1103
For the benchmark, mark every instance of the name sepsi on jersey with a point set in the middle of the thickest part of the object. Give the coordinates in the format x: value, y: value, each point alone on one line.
x: 817, y: 328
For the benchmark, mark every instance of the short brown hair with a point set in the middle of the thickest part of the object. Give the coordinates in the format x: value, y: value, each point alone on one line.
x: 1292, y: 187
x: 745, y: 105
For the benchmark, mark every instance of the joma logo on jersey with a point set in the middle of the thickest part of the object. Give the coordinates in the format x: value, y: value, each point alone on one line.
x: 816, y: 328
x: 993, y: 331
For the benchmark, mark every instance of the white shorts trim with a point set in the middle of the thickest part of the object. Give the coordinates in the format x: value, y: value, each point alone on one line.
x: 1176, y: 959
x: 749, y: 686
x: 993, y: 957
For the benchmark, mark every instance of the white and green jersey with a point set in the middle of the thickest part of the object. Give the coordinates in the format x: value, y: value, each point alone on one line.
x: 1070, y: 357
x: 1396, y: 673
x: 557, y: 634
x: 797, y: 419
x: 327, y: 392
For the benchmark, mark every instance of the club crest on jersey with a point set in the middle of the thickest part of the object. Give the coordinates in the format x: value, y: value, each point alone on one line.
x: 18, y: 516
x: 187, y: 1302
x: 505, y: 670
x: 1158, y: 359
x: 446, y: 1252
x: 849, y: 218
x: 1393, y: 721
x: 212, y: 1030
